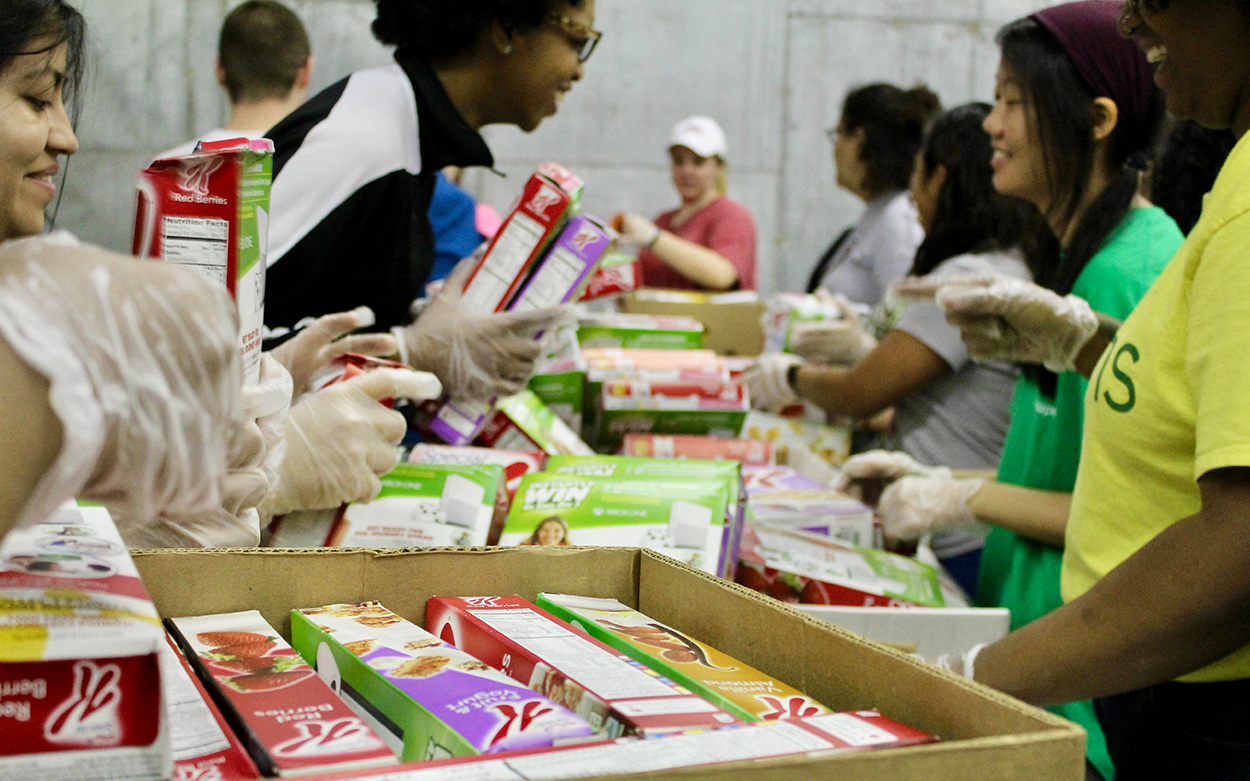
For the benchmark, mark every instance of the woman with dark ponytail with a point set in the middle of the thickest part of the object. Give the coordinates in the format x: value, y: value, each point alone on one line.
x: 1075, y: 119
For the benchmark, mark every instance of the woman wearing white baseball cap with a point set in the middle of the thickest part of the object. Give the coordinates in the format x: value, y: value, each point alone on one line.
x: 708, y: 242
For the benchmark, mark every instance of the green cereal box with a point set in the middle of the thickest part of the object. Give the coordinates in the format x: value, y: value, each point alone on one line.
x: 680, y: 517
x: 640, y: 331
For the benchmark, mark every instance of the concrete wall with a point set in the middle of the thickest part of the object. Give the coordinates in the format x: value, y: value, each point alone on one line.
x: 772, y: 72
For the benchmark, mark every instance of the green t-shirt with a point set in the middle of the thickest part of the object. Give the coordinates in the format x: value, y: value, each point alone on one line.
x: 1043, y: 444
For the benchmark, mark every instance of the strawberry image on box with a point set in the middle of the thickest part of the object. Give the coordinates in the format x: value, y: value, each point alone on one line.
x: 617, y: 695
x: 79, y: 648
x: 291, y: 721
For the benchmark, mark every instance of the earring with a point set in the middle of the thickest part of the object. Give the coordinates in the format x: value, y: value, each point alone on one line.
x: 507, y: 48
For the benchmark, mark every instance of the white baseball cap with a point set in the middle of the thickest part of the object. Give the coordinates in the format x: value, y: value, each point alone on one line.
x: 700, y: 135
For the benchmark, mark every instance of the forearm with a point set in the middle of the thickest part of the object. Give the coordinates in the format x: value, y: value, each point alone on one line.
x: 30, y: 430
x: 832, y: 389
x: 1092, y: 350
x: 1179, y: 603
x: 1029, y: 512
x: 700, y: 265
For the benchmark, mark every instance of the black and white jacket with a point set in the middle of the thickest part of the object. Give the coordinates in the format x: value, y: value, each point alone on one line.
x: 354, y: 172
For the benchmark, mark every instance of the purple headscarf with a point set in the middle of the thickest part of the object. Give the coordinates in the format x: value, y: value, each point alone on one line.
x: 1113, y: 66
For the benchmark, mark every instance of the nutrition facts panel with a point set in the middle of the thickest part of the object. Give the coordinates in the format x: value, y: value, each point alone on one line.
x: 199, y: 242
x: 507, y: 258
x: 553, y: 281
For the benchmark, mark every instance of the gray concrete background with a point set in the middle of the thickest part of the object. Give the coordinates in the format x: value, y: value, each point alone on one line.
x: 772, y: 72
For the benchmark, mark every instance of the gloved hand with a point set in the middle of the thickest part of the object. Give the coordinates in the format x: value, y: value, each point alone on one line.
x: 636, y: 230
x: 143, y: 364
x: 842, y: 341
x: 340, y: 439
x: 767, y: 382
x: 913, y: 506
x: 1011, y: 319
x: 477, y: 356
x: 866, y: 475
x: 326, y: 339
x: 960, y: 664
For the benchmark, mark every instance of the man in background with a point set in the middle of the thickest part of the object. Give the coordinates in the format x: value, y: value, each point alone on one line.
x: 263, y: 62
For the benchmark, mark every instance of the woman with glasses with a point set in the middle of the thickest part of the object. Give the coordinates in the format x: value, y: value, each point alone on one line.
x: 355, y: 166
x: 708, y: 242
x: 874, y: 146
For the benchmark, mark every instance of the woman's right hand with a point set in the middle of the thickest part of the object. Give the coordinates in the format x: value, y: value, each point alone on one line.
x: 635, y: 229
x: 866, y: 475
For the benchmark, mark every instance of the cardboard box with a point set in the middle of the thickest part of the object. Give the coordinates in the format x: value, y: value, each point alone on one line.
x: 617, y: 696
x: 745, y: 451
x: 439, y: 700
x: 731, y: 321
x: 523, y: 422
x: 680, y: 517
x: 985, y: 735
x: 290, y: 720
x: 79, y: 647
x: 203, y: 744
x: 210, y: 211
x: 640, y: 331
x: 800, y: 567
x: 731, y: 684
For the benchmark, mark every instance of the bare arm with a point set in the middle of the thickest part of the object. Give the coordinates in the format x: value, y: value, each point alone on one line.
x: 706, y: 268
x: 1179, y: 603
x: 30, y: 430
x: 1092, y: 350
x: 1029, y: 512
x: 896, y: 368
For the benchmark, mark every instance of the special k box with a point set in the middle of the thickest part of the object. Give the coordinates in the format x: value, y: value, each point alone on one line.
x: 79, y: 648
x: 751, y: 453
x: 292, y: 723
x: 516, y: 464
x: 742, y: 690
x: 615, y: 694
x: 440, y: 701
x: 203, y: 744
x: 986, y: 735
x: 526, y: 231
x: 210, y: 210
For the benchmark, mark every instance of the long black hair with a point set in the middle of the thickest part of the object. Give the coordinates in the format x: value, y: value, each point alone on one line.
x: 893, y: 120
x: 971, y: 216
x: 33, y: 27
x: 1189, y: 159
x: 1059, y: 102
x: 441, y: 29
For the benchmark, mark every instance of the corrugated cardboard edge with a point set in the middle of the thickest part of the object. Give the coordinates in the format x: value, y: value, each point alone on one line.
x: 988, y: 735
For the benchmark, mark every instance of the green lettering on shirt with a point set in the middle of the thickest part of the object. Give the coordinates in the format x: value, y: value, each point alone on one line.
x: 1127, y: 405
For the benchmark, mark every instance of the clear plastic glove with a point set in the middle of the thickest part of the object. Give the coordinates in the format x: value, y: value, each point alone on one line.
x: 885, y: 465
x: 341, y: 439
x: 477, y: 356
x: 963, y: 665
x: 843, y: 341
x: 768, y: 383
x: 914, y: 506
x: 143, y: 364
x: 1011, y: 319
x: 329, y: 337
x: 636, y: 230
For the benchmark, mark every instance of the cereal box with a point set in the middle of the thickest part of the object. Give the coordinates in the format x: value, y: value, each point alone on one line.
x: 696, y: 408
x: 79, y: 647
x: 291, y: 721
x: 523, y: 422
x: 747, y: 452
x: 615, y: 694
x: 738, y: 688
x: 640, y: 331
x: 440, y: 700
x: 210, y: 210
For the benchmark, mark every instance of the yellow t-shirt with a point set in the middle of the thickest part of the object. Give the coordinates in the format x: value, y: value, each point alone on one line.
x: 1170, y: 400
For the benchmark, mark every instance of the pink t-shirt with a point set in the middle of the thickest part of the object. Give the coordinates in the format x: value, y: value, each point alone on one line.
x: 722, y: 226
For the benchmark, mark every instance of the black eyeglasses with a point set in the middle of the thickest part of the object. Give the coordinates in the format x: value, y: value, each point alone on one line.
x: 581, y: 37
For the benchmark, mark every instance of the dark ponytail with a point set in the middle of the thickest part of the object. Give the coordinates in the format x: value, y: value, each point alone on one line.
x: 1060, y: 100
x: 894, y: 121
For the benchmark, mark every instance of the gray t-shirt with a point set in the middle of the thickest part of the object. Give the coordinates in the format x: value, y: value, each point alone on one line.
x: 960, y: 420
x: 878, y: 252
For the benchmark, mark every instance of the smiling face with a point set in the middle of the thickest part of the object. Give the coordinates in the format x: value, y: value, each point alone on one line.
x: 1202, y: 59
x: 34, y: 131
x: 542, y: 66
x: 550, y: 532
x: 1018, y: 160
x: 693, y: 176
